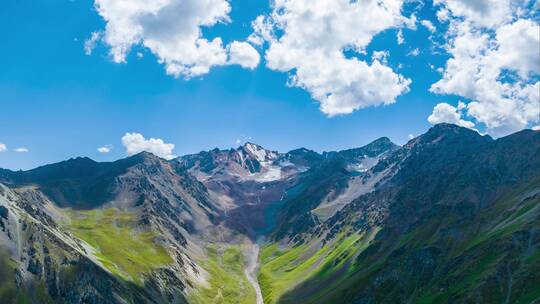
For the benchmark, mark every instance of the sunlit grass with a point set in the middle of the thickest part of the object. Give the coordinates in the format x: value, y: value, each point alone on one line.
x: 227, y: 281
x: 121, y: 246
x: 283, y: 269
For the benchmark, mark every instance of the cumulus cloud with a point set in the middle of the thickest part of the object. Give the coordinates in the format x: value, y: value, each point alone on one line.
x: 494, y: 49
x: 308, y: 40
x: 444, y: 112
x: 262, y: 31
x: 243, y: 54
x: 171, y: 29
x: 105, y: 149
x: 136, y: 143
x: 486, y: 13
x: 3, y: 147
x: 21, y: 150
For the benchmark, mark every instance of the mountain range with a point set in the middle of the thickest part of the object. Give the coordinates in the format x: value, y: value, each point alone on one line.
x: 452, y: 216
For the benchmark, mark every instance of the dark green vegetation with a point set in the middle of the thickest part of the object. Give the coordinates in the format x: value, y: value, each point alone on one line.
x: 450, y: 217
x: 441, y: 260
x: 462, y: 224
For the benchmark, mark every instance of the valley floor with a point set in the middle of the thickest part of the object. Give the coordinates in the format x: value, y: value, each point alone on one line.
x: 252, y: 265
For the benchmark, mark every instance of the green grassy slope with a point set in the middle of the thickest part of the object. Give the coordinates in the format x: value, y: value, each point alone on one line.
x: 493, y: 257
x: 124, y: 249
x: 131, y: 253
x: 227, y: 282
x: 285, y: 269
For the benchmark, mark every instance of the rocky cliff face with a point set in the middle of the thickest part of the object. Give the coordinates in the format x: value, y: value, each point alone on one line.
x: 142, y: 203
x: 43, y: 263
x: 450, y: 217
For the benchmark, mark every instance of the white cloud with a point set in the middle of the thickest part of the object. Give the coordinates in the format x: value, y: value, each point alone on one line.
x: 105, y: 149
x: 170, y: 29
x: 21, y: 150
x: 415, y: 52
x: 442, y: 15
x: 308, y: 38
x: 262, y: 31
x: 494, y: 63
x: 244, y: 54
x: 536, y: 128
x: 91, y: 42
x: 399, y: 37
x: 481, y: 12
x: 429, y: 25
x: 444, y: 112
x: 519, y: 47
x: 381, y: 56
x: 3, y: 147
x: 410, y: 136
x: 136, y: 143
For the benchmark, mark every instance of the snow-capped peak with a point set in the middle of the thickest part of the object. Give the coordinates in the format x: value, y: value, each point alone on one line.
x: 260, y: 153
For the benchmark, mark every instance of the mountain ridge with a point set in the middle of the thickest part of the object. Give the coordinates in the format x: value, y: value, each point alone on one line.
x: 349, y: 226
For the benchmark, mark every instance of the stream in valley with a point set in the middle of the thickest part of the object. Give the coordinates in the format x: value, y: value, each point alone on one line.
x: 252, y: 264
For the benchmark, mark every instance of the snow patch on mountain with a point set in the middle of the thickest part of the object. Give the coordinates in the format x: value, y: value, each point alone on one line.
x: 364, y: 182
x: 271, y: 173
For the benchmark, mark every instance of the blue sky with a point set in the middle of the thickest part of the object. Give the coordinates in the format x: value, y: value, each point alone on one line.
x: 59, y: 102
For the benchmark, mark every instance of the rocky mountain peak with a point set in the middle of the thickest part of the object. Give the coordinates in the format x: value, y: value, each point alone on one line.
x: 449, y: 136
x: 259, y: 153
x: 146, y: 158
x: 252, y: 146
x: 374, y: 149
x: 380, y: 145
x: 451, y: 130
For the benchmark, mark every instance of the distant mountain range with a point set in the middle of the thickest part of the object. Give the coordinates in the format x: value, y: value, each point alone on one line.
x: 450, y: 217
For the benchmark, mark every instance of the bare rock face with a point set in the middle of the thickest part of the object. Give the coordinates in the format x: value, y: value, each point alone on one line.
x: 51, y: 265
x: 148, y: 190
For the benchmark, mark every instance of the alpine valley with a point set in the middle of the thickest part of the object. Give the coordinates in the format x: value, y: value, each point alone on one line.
x: 450, y: 217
